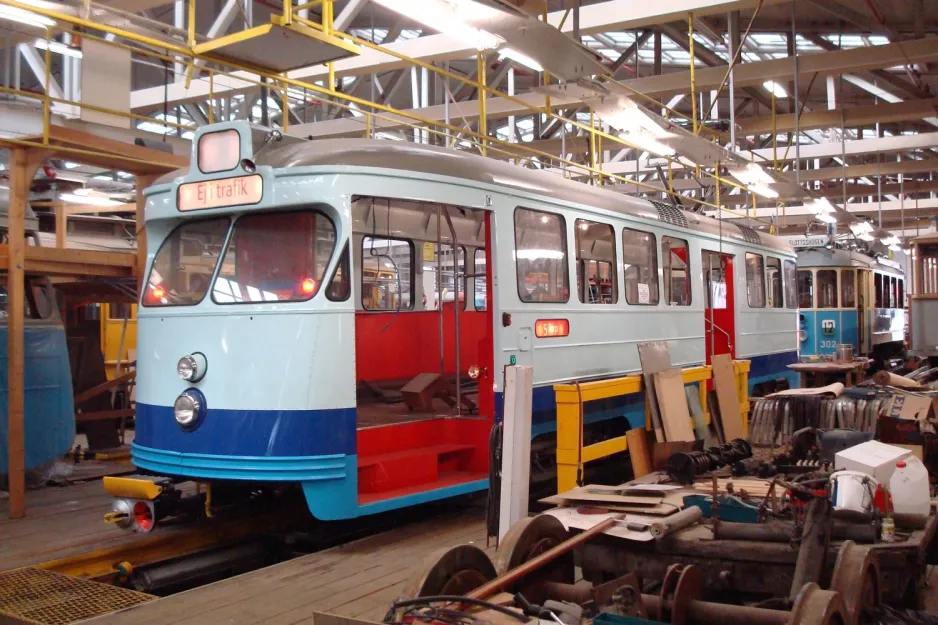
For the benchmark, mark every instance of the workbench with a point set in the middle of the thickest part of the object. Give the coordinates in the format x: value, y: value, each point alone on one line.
x: 825, y: 373
x: 759, y: 568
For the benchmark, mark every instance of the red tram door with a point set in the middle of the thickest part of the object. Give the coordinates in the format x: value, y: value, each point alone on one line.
x: 719, y: 306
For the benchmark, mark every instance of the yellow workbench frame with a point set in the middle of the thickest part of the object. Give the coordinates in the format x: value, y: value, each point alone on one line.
x: 572, y: 454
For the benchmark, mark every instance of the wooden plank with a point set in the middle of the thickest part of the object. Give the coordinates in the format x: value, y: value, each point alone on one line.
x: 16, y: 444
x: 654, y: 358
x: 103, y: 415
x: 71, y: 262
x: 639, y: 453
x: 104, y: 386
x: 724, y: 380
x: 61, y: 225
x: 672, y: 402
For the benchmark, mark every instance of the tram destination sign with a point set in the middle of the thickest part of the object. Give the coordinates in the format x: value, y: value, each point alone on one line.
x: 237, y: 191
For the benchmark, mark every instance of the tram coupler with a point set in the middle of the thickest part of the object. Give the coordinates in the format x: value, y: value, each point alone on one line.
x: 141, y: 501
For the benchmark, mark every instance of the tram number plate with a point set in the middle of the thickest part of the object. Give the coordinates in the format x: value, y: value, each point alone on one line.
x: 237, y: 191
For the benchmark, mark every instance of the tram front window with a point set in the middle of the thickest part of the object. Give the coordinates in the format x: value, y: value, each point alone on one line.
x: 184, y: 264
x: 275, y: 257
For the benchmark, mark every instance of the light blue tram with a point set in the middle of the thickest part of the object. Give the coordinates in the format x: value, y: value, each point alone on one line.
x: 846, y: 297
x: 337, y: 313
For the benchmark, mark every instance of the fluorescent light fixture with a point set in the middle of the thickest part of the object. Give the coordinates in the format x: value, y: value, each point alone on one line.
x: 87, y: 198
x: 13, y: 14
x: 71, y: 165
x: 763, y: 190
x: 866, y: 236
x: 450, y: 17
x: 647, y: 142
x: 524, y: 59
x: 58, y: 48
x: 826, y: 218
x: 895, y: 248
x: 752, y: 174
x: 821, y: 206
x: 861, y: 227
x: 775, y: 89
x: 540, y: 254
x: 890, y: 240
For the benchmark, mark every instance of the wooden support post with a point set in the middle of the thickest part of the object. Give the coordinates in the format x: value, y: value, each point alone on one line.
x: 61, y: 232
x: 143, y: 181
x: 24, y: 163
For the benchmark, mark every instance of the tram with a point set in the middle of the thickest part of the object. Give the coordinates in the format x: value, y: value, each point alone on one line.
x: 847, y: 297
x: 345, y: 320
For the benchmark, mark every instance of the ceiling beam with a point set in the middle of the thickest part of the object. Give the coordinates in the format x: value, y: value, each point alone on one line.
x: 600, y: 17
x: 847, y: 118
x: 870, y: 169
x: 865, y: 22
x: 893, y: 206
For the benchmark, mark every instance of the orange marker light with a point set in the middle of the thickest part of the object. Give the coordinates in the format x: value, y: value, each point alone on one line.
x: 308, y: 286
x: 547, y: 328
x: 158, y: 292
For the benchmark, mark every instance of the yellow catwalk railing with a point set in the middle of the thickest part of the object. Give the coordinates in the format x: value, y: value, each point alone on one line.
x: 571, y: 399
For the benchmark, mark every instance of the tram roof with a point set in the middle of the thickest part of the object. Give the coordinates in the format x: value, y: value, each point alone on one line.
x: 427, y: 159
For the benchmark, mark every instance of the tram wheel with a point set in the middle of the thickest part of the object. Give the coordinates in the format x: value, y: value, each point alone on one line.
x: 856, y: 578
x: 814, y: 606
x: 451, y: 571
x: 527, y: 539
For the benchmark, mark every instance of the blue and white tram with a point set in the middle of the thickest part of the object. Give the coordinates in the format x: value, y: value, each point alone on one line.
x: 337, y: 313
x: 846, y: 297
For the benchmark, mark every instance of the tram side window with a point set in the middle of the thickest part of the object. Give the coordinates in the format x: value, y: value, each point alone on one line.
x: 340, y: 286
x: 640, y: 262
x: 805, y: 289
x: 275, y: 257
x: 791, y: 284
x: 827, y: 288
x: 480, y: 291
x: 901, y: 303
x: 892, y: 293
x: 541, y: 253
x: 773, y: 272
x: 878, y: 282
x: 848, y: 288
x: 387, y: 273
x: 676, y: 271
x: 596, y: 262
x: 431, y: 291
x: 755, y: 280
x: 183, y: 266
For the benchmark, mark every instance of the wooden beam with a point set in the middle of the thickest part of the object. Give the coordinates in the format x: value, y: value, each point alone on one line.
x: 61, y: 221
x: 849, y: 118
x: 24, y: 164
x: 70, y: 262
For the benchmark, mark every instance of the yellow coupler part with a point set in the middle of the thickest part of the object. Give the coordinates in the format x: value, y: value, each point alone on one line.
x: 133, y: 486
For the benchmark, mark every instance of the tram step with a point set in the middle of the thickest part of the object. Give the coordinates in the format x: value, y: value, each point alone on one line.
x: 409, y: 467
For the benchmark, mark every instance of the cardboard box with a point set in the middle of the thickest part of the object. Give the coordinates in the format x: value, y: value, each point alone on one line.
x: 909, y: 407
x: 873, y: 458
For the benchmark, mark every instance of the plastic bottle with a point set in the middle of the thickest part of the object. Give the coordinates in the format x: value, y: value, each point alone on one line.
x: 909, y: 487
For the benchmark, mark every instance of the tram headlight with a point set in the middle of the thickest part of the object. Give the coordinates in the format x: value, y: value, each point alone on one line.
x: 192, y: 368
x: 189, y: 408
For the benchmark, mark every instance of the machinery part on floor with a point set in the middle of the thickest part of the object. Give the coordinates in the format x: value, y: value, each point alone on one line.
x: 775, y: 420
x: 681, y: 585
x: 200, y: 568
x: 683, y: 467
x: 527, y: 539
x: 815, y: 538
x: 455, y: 571
x: 504, y: 581
x: 782, y: 532
x: 856, y: 578
x: 814, y: 606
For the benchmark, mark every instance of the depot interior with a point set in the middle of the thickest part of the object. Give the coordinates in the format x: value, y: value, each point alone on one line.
x: 809, y: 497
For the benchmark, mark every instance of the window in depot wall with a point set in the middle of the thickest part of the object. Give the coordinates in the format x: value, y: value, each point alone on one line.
x: 387, y: 274
x: 596, y: 262
x: 805, y: 289
x: 185, y: 262
x: 773, y: 277
x: 848, y: 288
x: 791, y: 284
x: 755, y: 280
x: 480, y: 286
x: 541, y: 256
x: 275, y: 257
x: 675, y: 254
x: 640, y: 264
x: 431, y: 257
x: 827, y: 288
